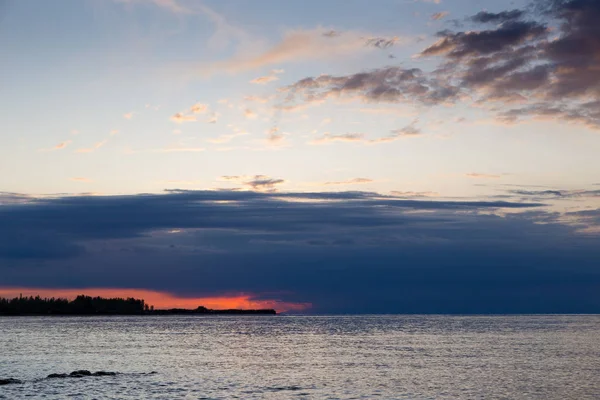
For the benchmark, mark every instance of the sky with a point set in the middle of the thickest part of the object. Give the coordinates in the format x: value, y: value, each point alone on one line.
x: 403, y: 156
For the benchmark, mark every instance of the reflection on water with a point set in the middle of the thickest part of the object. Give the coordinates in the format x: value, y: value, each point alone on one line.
x: 403, y: 357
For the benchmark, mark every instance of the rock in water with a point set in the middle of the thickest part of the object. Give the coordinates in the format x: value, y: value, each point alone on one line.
x: 57, y: 376
x: 104, y: 373
x: 80, y: 373
x: 9, y: 381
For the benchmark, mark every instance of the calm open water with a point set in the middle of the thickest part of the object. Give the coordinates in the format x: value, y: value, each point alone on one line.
x: 355, y: 357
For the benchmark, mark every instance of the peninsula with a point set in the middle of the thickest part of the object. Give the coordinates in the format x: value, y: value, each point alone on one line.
x: 86, y: 305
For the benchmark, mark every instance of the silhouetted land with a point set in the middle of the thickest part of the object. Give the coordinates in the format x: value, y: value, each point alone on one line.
x: 86, y: 305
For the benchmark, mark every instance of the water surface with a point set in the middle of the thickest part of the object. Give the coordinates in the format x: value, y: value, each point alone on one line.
x: 329, y: 357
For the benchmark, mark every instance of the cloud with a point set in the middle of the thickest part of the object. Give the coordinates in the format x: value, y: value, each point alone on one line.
x: 382, y: 42
x: 264, y: 79
x: 182, y: 182
x: 256, y: 182
x: 199, y: 108
x: 323, y: 248
x: 190, y: 115
x: 81, y: 179
x: 518, y: 66
x: 268, y: 78
x: 248, y: 113
x: 228, y: 137
x: 545, y: 63
x: 482, y: 176
x: 556, y: 193
x: 586, y: 113
x: 501, y: 17
x: 170, y: 5
x: 262, y: 182
x: 296, y: 45
x: 258, y: 99
x: 406, y: 132
x: 331, y: 33
x: 411, y: 194
x: 97, y: 145
x: 114, y: 132
x: 181, y: 118
x: 463, y: 44
x: 389, y: 84
x: 128, y: 115
x: 409, y: 130
x: 439, y: 15
x: 213, y: 118
x: 354, y: 181
x: 346, y: 137
x: 60, y: 146
x: 181, y: 149
x: 274, y: 135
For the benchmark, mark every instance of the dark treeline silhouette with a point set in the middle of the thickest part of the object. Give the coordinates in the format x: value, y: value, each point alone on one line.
x: 86, y: 305
x: 81, y: 305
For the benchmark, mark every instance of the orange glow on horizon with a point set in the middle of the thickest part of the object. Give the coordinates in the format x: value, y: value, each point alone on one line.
x: 162, y: 300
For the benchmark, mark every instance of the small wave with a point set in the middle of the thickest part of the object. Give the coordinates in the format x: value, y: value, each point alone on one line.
x: 282, y: 388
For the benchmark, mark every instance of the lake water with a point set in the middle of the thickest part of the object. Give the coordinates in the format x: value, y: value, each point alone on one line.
x: 281, y: 357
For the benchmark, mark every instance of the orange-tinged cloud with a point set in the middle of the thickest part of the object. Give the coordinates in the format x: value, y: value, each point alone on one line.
x: 163, y: 300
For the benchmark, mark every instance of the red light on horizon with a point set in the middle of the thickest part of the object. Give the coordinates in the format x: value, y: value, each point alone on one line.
x: 163, y: 300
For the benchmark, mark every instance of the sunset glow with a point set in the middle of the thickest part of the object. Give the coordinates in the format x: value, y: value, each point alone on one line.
x: 163, y: 300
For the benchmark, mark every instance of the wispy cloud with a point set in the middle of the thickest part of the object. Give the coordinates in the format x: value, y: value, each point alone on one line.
x: 214, y: 118
x: 228, y: 137
x: 128, y: 115
x: 96, y: 146
x: 354, y: 181
x: 181, y: 182
x: 406, y: 132
x: 60, y: 146
x: 248, y: 113
x: 190, y: 115
x: 81, y: 179
x: 268, y: 78
x: 199, y: 108
x: 170, y: 5
x: 411, y: 194
x: 181, y: 118
x: 476, y: 175
x: 439, y: 15
x: 264, y: 79
x: 257, y: 182
x: 180, y: 150
x: 296, y: 45
x: 346, y: 137
x: 382, y: 42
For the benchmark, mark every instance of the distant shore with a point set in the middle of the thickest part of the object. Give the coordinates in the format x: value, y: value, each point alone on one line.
x: 89, y: 306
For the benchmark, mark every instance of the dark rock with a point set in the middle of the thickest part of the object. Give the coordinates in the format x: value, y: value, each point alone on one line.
x: 104, y: 373
x: 9, y: 381
x: 80, y: 373
x: 57, y: 376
